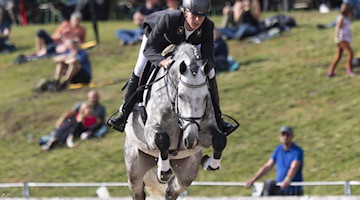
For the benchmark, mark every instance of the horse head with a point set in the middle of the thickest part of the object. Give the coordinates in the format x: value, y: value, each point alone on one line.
x: 191, y: 95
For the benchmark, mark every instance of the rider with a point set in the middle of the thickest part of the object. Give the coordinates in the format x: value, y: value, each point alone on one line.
x: 162, y: 28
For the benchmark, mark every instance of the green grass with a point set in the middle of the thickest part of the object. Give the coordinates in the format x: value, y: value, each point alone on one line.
x: 280, y: 81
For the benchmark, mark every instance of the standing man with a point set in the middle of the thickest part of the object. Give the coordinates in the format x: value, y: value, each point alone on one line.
x: 288, y: 158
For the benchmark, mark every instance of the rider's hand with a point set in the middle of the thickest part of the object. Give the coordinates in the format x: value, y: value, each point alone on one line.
x: 166, y: 63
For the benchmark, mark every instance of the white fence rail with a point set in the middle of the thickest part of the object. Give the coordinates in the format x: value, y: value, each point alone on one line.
x: 26, y: 186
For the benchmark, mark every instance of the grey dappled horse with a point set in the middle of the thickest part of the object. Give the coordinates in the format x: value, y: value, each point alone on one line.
x: 180, y: 122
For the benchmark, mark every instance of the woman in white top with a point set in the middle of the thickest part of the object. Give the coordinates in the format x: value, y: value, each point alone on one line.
x: 343, y: 39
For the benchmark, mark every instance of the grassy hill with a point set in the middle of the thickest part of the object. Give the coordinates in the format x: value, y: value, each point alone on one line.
x: 280, y: 82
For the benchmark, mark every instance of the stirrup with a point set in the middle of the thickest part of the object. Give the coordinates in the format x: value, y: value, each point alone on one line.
x: 229, y: 128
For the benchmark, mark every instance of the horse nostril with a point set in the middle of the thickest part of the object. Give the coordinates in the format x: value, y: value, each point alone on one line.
x: 186, y: 143
x: 190, y: 145
x: 195, y: 143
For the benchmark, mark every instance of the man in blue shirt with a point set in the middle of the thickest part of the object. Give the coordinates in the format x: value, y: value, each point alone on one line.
x: 288, y: 158
x: 73, y: 66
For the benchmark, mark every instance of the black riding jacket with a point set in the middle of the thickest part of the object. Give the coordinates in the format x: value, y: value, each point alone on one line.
x: 166, y: 27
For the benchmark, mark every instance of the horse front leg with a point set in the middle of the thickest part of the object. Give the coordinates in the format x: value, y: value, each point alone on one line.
x: 158, y: 139
x: 219, y: 140
x: 164, y: 172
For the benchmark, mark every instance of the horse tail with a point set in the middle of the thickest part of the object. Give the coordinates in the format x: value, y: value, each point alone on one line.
x: 153, y: 186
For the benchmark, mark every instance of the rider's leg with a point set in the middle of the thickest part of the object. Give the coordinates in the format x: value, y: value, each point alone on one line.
x: 118, y: 122
x: 223, y: 126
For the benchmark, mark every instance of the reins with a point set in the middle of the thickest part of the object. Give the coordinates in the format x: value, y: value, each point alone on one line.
x: 139, y: 89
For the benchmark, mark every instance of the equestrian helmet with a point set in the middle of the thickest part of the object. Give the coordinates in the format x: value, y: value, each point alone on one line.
x: 197, y: 7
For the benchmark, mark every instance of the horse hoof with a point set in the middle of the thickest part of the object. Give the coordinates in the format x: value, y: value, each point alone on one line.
x: 205, y: 163
x: 164, y: 177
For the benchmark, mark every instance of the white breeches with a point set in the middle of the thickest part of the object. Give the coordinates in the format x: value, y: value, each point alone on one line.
x: 141, y: 61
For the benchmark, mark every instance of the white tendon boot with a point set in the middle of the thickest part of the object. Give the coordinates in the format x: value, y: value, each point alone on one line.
x: 210, y: 163
x: 164, y: 171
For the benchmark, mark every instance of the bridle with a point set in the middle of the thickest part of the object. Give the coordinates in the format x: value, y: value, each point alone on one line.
x: 175, y: 107
x: 191, y: 120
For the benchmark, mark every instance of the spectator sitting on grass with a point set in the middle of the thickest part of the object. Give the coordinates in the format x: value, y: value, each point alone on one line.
x: 68, y: 30
x: 73, y: 66
x: 221, y: 52
x: 241, y: 20
x: 355, y: 5
x: 5, y: 30
x: 223, y: 62
x: 73, y: 125
x: 132, y: 36
x: 67, y: 121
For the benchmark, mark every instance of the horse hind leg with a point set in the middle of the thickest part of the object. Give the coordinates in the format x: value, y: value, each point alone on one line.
x: 186, y: 171
x: 137, y: 164
x: 138, y: 195
x: 164, y: 171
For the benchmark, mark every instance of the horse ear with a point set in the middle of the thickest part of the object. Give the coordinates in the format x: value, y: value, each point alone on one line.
x: 183, y: 67
x: 206, y: 68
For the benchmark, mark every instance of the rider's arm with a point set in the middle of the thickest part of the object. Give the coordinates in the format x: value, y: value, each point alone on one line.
x: 207, y: 46
x: 156, y: 41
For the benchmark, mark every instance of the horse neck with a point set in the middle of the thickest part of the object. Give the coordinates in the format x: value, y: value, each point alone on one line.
x: 173, y: 82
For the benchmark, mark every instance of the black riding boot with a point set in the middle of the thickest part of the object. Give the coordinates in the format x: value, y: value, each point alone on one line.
x: 223, y: 126
x: 118, y: 122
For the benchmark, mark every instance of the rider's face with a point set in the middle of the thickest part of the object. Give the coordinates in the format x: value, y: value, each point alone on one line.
x: 193, y: 21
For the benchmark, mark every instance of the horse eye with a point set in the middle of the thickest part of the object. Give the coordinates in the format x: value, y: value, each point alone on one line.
x: 181, y: 96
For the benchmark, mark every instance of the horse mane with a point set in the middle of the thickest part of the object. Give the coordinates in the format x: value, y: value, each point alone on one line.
x: 188, y: 53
